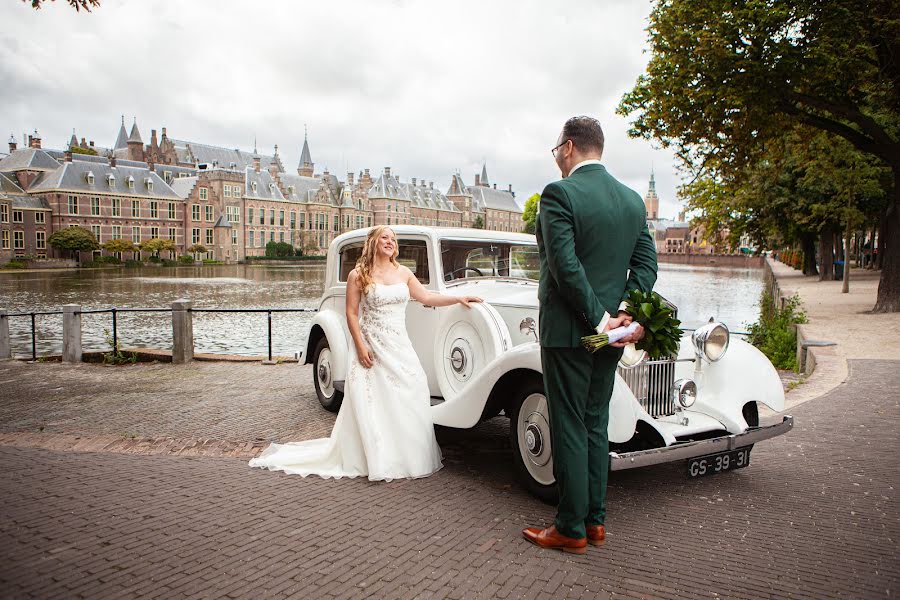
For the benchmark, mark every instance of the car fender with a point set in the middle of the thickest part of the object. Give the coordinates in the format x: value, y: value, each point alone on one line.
x: 335, y: 332
x: 742, y: 375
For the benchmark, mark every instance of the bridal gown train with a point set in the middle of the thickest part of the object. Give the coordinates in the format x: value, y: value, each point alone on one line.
x: 384, y: 428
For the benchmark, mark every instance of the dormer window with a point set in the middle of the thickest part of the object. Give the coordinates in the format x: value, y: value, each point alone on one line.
x: 89, y: 177
x: 291, y: 190
x: 232, y: 166
x: 149, y: 184
x: 272, y: 187
x: 130, y: 182
x: 167, y: 175
x: 253, y: 187
x: 111, y: 180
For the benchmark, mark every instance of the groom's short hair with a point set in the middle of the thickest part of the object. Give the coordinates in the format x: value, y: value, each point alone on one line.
x: 585, y: 133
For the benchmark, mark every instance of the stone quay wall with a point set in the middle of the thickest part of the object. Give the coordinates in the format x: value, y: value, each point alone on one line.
x: 712, y: 260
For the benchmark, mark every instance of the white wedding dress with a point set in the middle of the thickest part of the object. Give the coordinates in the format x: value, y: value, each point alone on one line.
x: 384, y: 428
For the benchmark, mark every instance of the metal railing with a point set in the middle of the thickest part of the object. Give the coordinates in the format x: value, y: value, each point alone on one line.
x: 115, y: 311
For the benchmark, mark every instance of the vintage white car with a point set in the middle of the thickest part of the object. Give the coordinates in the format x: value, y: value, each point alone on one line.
x: 700, y: 406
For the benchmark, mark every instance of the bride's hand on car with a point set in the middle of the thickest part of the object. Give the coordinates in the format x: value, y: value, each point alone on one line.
x: 467, y: 300
x: 365, y: 355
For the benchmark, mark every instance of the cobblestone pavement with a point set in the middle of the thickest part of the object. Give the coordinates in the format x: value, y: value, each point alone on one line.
x: 814, y: 515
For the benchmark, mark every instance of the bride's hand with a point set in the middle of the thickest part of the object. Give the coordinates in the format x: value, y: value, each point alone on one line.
x: 365, y: 355
x: 467, y: 300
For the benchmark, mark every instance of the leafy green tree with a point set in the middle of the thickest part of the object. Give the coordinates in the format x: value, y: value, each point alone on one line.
x: 74, y: 240
x: 529, y: 214
x: 478, y: 223
x: 80, y: 150
x: 198, y: 249
x: 727, y: 78
x: 279, y: 249
x: 157, y: 245
x: 118, y: 245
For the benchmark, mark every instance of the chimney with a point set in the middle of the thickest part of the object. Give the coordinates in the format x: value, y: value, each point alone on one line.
x: 510, y: 188
x: 91, y: 143
x: 35, y: 140
x: 413, y: 181
x: 495, y: 186
x: 154, y: 143
x: 112, y: 161
x: 256, y: 164
x: 387, y: 171
x: 431, y: 184
x: 84, y: 143
x: 477, y: 179
x: 164, y: 133
x: 67, y: 154
x: 350, y: 178
x: 367, y: 172
x: 12, y: 144
x: 151, y: 165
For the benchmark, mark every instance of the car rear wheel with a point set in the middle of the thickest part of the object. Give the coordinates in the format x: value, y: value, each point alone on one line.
x: 323, y: 377
x: 529, y: 432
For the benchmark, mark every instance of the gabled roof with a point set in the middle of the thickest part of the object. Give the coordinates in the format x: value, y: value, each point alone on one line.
x: 73, y: 177
x: 30, y: 202
x: 9, y: 186
x: 485, y: 197
x: 188, y: 152
x: 458, y: 187
x: 266, y: 186
x: 183, y: 185
x: 222, y: 222
x: 387, y: 186
x: 298, y: 188
x: 28, y: 159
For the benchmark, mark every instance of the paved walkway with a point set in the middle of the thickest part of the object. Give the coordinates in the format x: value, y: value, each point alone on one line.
x: 814, y: 516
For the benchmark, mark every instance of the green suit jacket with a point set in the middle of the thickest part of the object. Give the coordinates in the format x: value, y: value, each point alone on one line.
x: 594, y: 248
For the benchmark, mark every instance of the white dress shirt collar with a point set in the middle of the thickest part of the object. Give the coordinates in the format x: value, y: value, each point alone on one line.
x: 590, y: 161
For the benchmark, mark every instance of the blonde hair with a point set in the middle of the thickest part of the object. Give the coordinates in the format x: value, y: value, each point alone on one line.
x: 367, y: 259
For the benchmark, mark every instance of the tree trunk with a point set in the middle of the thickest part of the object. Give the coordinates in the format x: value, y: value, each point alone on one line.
x: 845, y: 287
x: 826, y: 255
x: 889, y: 255
x: 808, y: 247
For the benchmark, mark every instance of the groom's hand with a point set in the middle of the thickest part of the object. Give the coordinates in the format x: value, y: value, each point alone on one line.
x: 623, y: 319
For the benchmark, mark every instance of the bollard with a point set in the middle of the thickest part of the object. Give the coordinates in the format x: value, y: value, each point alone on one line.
x: 182, y: 332
x: 71, y: 333
x: 5, y: 347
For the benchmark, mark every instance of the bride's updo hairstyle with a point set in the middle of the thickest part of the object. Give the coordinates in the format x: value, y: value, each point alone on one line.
x: 367, y: 258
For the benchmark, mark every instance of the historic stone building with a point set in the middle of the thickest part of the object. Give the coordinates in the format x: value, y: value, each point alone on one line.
x: 229, y: 201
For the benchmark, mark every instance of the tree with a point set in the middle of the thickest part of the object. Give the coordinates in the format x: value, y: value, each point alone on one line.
x: 478, y: 223
x: 118, y: 245
x: 80, y: 150
x: 198, y: 249
x: 157, y: 245
x: 279, y: 249
x: 727, y: 78
x: 529, y: 214
x: 78, y: 5
x: 74, y: 239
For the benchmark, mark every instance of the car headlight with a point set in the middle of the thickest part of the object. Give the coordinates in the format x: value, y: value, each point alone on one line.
x: 684, y: 392
x: 711, y: 341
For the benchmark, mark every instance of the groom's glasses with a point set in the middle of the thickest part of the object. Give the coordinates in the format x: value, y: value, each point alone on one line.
x: 554, y: 150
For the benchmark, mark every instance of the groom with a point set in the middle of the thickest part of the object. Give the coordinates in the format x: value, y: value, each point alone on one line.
x: 594, y: 248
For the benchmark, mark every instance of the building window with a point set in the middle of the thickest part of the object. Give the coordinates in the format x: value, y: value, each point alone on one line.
x: 271, y: 216
x: 172, y: 210
x: 209, y: 212
x: 116, y: 207
x: 195, y: 212
x: 281, y: 236
x: 18, y: 216
x: 235, y: 191
x: 111, y: 180
x: 252, y: 235
x: 154, y: 233
x: 281, y: 218
x: 4, y: 213
x: 233, y: 214
x: 149, y: 183
x: 154, y: 209
x: 253, y: 187
x: 227, y: 192
x: 95, y: 229
x: 271, y: 236
x: 203, y: 193
x: 130, y: 182
x: 117, y: 232
x: 337, y: 223
x: 250, y: 215
x: 172, y: 233
x: 302, y: 220
x: 195, y: 235
x: 40, y: 240
x: 18, y: 240
x: 234, y: 237
x: 136, y: 234
x: 73, y: 205
x: 135, y: 208
x: 90, y: 178
x: 167, y: 175
x: 95, y: 207
x: 209, y: 237
x: 262, y: 216
x: 4, y: 239
x: 40, y: 218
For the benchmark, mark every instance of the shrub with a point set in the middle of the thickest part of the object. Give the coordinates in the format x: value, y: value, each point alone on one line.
x: 169, y: 263
x: 186, y: 259
x: 210, y: 261
x: 279, y: 250
x: 775, y: 333
x: 14, y: 264
x: 155, y: 259
x: 133, y: 263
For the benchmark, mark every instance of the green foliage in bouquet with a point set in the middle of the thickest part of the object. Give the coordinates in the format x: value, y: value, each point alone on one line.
x: 662, y: 331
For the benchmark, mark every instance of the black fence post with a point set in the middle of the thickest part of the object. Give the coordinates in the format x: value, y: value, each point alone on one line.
x: 115, y: 333
x: 33, y: 341
x: 269, y: 314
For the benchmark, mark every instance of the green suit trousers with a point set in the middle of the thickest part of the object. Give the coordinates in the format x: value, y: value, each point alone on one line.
x: 579, y: 386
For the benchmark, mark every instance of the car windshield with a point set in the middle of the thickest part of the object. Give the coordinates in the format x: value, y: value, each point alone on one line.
x: 461, y: 259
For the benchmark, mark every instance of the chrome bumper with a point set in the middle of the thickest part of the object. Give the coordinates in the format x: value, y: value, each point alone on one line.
x: 655, y: 456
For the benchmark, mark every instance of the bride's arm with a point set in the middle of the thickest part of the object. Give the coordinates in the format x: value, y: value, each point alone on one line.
x: 354, y: 294
x: 418, y: 292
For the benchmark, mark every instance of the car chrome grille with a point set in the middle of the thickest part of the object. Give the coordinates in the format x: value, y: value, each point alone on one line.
x: 651, y: 383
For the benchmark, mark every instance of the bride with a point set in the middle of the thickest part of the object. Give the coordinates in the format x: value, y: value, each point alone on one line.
x: 384, y: 428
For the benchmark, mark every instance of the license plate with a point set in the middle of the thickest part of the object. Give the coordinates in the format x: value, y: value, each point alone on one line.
x: 716, y: 463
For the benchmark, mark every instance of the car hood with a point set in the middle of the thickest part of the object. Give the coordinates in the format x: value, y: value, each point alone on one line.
x: 499, y: 292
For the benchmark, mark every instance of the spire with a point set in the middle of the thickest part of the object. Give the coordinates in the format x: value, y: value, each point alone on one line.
x: 306, y: 166
x: 135, y: 135
x: 74, y: 141
x: 255, y: 153
x: 122, y: 139
x: 652, y: 180
x: 484, y: 177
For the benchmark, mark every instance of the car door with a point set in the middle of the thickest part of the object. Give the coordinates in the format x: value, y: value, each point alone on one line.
x: 421, y: 320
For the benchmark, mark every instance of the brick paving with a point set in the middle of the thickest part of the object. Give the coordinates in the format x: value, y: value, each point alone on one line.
x: 813, y: 516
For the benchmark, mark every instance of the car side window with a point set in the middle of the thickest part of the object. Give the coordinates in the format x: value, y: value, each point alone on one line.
x: 349, y: 255
x: 413, y: 254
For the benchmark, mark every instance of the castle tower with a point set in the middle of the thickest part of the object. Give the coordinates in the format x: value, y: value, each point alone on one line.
x: 484, y: 177
x: 135, y: 143
x: 306, y: 166
x: 122, y: 138
x: 651, y: 200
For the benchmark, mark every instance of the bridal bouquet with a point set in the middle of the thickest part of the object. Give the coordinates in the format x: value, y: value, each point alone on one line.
x: 662, y: 331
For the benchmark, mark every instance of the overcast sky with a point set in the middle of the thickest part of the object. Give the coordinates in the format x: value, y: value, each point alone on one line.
x: 426, y: 88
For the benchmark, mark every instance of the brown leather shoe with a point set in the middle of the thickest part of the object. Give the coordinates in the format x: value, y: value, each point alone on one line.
x: 596, y: 535
x: 550, y: 538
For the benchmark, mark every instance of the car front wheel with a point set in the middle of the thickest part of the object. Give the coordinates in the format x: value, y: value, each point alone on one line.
x: 323, y: 377
x: 529, y: 432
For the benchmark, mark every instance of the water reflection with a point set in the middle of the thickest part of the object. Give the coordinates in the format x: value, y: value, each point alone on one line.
x: 727, y: 294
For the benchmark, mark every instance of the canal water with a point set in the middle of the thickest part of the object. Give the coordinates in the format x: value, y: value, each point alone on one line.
x: 730, y: 295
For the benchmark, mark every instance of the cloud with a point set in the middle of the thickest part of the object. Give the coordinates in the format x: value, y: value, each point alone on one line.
x: 426, y: 88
